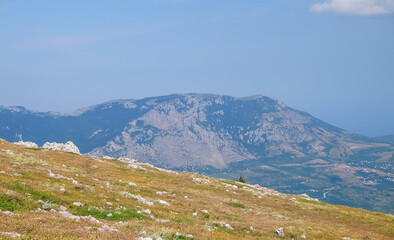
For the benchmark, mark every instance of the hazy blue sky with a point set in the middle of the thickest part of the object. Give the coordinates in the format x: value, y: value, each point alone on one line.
x: 331, y: 58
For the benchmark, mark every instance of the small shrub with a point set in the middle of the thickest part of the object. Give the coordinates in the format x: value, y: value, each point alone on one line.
x: 241, y: 179
x: 206, y: 215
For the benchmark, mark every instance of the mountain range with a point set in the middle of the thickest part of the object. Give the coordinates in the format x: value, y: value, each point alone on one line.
x: 259, y: 137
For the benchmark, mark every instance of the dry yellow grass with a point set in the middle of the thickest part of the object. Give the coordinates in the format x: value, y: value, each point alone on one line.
x: 25, y: 185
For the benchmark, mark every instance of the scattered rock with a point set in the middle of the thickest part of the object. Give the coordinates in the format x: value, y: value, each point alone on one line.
x: 303, y: 236
x: 78, y: 204
x: 306, y: 197
x: 162, y: 220
x: 146, y: 211
x: 279, y: 232
x: 59, y: 176
x: 226, y: 225
x: 90, y: 219
x: 132, y: 184
x: 201, y: 180
x: 138, y: 198
x: 7, y: 213
x: 105, y: 227
x: 163, y: 203
x: 69, y: 215
x: 47, y: 205
x: 11, y: 234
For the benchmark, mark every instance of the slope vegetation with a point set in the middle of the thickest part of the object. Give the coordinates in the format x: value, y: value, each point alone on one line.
x: 57, y: 195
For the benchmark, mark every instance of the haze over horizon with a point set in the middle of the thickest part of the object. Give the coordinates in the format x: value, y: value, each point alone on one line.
x: 331, y: 61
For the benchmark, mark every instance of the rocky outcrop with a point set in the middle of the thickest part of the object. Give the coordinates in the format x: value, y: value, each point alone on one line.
x: 26, y: 144
x: 65, y: 147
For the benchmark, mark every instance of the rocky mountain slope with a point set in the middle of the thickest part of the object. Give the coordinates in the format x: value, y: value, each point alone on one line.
x: 47, y: 194
x: 259, y: 137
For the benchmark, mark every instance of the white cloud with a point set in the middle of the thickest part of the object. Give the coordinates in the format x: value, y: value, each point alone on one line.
x: 359, y: 7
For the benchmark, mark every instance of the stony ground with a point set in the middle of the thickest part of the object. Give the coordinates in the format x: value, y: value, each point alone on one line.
x: 46, y: 194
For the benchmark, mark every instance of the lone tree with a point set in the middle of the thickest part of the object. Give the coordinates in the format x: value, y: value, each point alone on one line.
x: 241, y: 179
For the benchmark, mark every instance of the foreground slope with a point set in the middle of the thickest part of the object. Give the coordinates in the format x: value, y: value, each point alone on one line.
x: 223, y: 136
x: 47, y: 194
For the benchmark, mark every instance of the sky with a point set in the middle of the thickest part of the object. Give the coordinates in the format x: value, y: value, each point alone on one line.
x: 331, y: 58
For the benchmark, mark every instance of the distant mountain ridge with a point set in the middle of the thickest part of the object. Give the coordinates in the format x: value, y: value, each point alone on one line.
x: 259, y: 136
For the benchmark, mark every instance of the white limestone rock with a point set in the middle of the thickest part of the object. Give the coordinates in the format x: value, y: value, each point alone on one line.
x: 78, y: 204
x: 26, y: 144
x: 11, y: 234
x: 163, y: 203
x: 65, y: 147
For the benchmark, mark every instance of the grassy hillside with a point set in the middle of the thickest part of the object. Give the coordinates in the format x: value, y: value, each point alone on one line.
x: 57, y: 195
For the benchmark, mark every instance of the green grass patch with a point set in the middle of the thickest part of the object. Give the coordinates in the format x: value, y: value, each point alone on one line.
x: 177, y: 237
x: 36, y: 194
x: 311, y: 202
x: 72, y: 153
x: 235, y: 204
x: 121, y: 215
x: 206, y: 215
x: 12, y: 203
x: 231, y: 183
x: 224, y: 229
x: 35, y: 149
x: 232, y: 219
x: 122, y: 169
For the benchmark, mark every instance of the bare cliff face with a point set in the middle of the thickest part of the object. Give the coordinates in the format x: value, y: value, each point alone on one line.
x: 201, y: 130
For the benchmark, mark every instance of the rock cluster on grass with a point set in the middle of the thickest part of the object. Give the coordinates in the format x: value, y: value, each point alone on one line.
x: 138, y: 198
x: 26, y: 144
x: 65, y: 147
